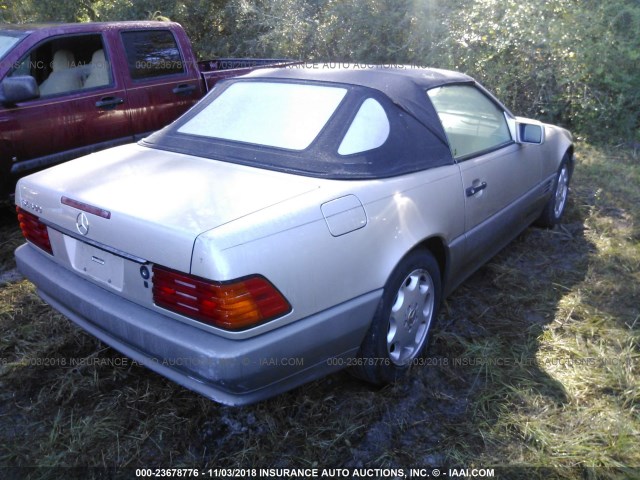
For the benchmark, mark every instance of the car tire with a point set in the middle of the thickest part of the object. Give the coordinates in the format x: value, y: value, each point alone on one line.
x: 557, y: 203
x: 403, y: 320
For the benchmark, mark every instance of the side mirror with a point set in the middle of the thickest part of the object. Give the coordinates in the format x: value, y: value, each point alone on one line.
x: 18, y: 89
x: 530, y: 133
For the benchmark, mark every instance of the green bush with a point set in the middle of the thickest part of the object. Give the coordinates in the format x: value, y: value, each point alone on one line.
x: 572, y: 62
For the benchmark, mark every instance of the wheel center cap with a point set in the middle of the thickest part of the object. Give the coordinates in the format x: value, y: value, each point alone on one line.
x: 412, y: 314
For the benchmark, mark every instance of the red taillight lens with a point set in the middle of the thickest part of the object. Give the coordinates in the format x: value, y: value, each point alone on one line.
x: 232, y: 305
x: 34, y: 230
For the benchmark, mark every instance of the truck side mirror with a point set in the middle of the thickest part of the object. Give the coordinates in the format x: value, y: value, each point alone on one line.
x: 530, y: 133
x: 18, y: 89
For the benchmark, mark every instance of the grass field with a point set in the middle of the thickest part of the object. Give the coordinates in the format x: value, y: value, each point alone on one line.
x: 535, y: 362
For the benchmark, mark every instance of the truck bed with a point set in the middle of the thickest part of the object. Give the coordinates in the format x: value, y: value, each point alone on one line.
x: 219, y: 68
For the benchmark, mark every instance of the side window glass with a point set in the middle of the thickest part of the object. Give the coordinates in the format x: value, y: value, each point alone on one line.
x: 67, y: 64
x: 472, y: 122
x: 152, y: 53
x: 369, y: 129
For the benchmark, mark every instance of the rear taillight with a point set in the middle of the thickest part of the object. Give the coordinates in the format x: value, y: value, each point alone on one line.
x: 34, y: 230
x: 234, y: 305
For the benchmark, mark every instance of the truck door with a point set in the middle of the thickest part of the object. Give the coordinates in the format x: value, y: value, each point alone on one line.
x: 81, y: 107
x: 162, y: 81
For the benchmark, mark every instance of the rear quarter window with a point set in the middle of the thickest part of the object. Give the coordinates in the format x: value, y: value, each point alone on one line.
x: 370, y: 129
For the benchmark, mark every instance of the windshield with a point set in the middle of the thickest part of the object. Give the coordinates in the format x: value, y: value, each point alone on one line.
x: 7, y: 41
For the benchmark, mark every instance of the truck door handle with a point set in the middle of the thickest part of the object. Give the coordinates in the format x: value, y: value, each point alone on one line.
x: 109, y: 103
x: 184, y: 89
x: 471, y: 191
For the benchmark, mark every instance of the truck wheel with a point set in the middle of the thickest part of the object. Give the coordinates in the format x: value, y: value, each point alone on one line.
x: 557, y: 203
x: 400, y: 328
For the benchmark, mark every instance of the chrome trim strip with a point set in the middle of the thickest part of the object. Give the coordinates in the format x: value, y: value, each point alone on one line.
x: 93, y: 243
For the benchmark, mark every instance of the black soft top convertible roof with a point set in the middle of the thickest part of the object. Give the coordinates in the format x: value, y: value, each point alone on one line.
x: 380, y: 77
x: 416, y: 141
x: 405, y: 85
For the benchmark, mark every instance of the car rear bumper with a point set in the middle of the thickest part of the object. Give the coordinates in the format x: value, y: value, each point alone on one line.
x: 233, y: 372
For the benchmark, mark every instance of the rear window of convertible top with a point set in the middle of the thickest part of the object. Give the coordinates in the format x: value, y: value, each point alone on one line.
x: 282, y: 115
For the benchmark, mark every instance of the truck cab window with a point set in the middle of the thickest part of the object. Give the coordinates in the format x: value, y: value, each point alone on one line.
x: 66, y: 64
x: 152, y: 53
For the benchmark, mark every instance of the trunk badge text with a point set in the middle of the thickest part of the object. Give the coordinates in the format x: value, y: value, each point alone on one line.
x: 98, y: 260
x: 31, y: 206
x: 82, y: 223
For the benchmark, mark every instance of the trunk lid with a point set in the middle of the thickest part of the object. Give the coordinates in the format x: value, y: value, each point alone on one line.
x: 158, y: 202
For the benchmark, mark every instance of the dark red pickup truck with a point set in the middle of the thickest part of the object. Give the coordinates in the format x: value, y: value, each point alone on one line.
x: 70, y: 89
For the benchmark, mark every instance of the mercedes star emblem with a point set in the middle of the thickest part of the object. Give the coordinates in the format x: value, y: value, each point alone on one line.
x: 82, y: 223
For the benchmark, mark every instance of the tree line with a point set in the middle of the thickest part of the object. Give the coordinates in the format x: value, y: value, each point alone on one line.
x: 572, y: 62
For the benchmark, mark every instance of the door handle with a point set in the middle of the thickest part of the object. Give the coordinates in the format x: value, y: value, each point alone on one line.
x: 184, y: 89
x: 471, y: 191
x: 109, y: 103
